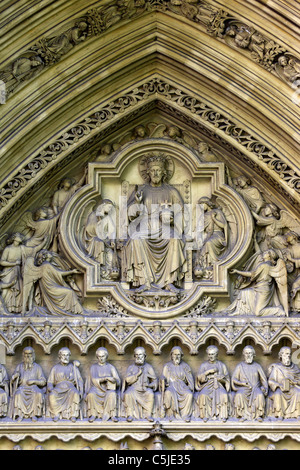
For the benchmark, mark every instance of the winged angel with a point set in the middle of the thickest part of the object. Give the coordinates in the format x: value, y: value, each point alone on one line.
x: 264, y: 290
x: 53, y: 292
x: 216, y: 233
x: 272, y: 225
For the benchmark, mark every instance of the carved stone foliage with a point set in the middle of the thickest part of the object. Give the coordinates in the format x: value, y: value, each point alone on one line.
x: 217, y: 22
x: 122, y: 333
x: 147, y: 92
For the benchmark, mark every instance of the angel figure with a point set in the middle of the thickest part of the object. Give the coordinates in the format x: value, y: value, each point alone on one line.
x: 65, y: 191
x: 252, y: 196
x: 56, y: 294
x: 264, y: 292
x: 39, y: 228
x: 214, y: 234
x: 288, y: 68
x: 272, y: 225
x: 99, y: 238
x: 159, y: 131
x: 11, y: 280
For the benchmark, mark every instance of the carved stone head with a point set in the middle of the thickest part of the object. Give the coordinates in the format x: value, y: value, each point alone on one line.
x: 64, y: 355
x: 206, y: 203
x: 176, y: 355
x: 102, y: 355
x: 28, y: 356
x: 66, y: 184
x: 212, y: 353
x: 285, y: 356
x: 249, y: 354
x: 157, y: 171
x: 15, y: 239
x: 140, y: 356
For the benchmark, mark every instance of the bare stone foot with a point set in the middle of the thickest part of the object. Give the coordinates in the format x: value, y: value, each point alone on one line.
x: 142, y: 289
x: 172, y: 288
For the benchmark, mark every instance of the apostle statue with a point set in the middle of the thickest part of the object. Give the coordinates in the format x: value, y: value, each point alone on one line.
x: 213, y: 386
x: 251, y: 386
x: 154, y: 255
x: 101, y: 389
x: 65, y: 388
x: 27, y: 389
x: 177, y: 387
x: 138, y: 389
x: 284, y: 383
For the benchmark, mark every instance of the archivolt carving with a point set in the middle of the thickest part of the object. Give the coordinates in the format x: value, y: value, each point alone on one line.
x: 218, y: 23
x: 153, y: 89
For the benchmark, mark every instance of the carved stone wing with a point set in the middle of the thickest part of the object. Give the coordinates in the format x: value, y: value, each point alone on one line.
x: 231, y: 220
x: 26, y: 222
x: 156, y: 130
x: 288, y: 221
x: 2, y: 242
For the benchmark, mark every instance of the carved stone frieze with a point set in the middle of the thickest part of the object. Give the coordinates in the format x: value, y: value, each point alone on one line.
x: 84, y: 332
x: 217, y: 22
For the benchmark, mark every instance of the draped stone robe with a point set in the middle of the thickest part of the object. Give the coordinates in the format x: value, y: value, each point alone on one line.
x: 28, y: 400
x: 249, y: 402
x: 260, y: 295
x: 56, y: 294
x: 212, y: 398
x: 138, y: 396
x: 64, y: 399
x: 4, y: 391
x: 155, y: 251
x: 101, y: 398
x: 215, y: 240
x: 178, y: 396
x: 284, y: 382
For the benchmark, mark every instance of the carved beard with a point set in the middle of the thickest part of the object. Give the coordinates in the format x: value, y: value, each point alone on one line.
x: 139, y: 362
x: 176, y: 362
x: 28, y: 365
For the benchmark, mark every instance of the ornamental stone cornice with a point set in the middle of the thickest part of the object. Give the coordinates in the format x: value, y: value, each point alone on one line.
x: 176, y: 432
x: 121, y: 331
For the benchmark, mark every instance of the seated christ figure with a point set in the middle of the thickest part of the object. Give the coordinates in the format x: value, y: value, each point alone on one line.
x: 154, y: 256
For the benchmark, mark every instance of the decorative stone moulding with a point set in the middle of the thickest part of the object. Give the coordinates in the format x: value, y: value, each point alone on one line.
x: 123, y: 332
x: 256, y: 152
x: 176, y: 432
x: 216, y: 22
x: 194, y: 180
